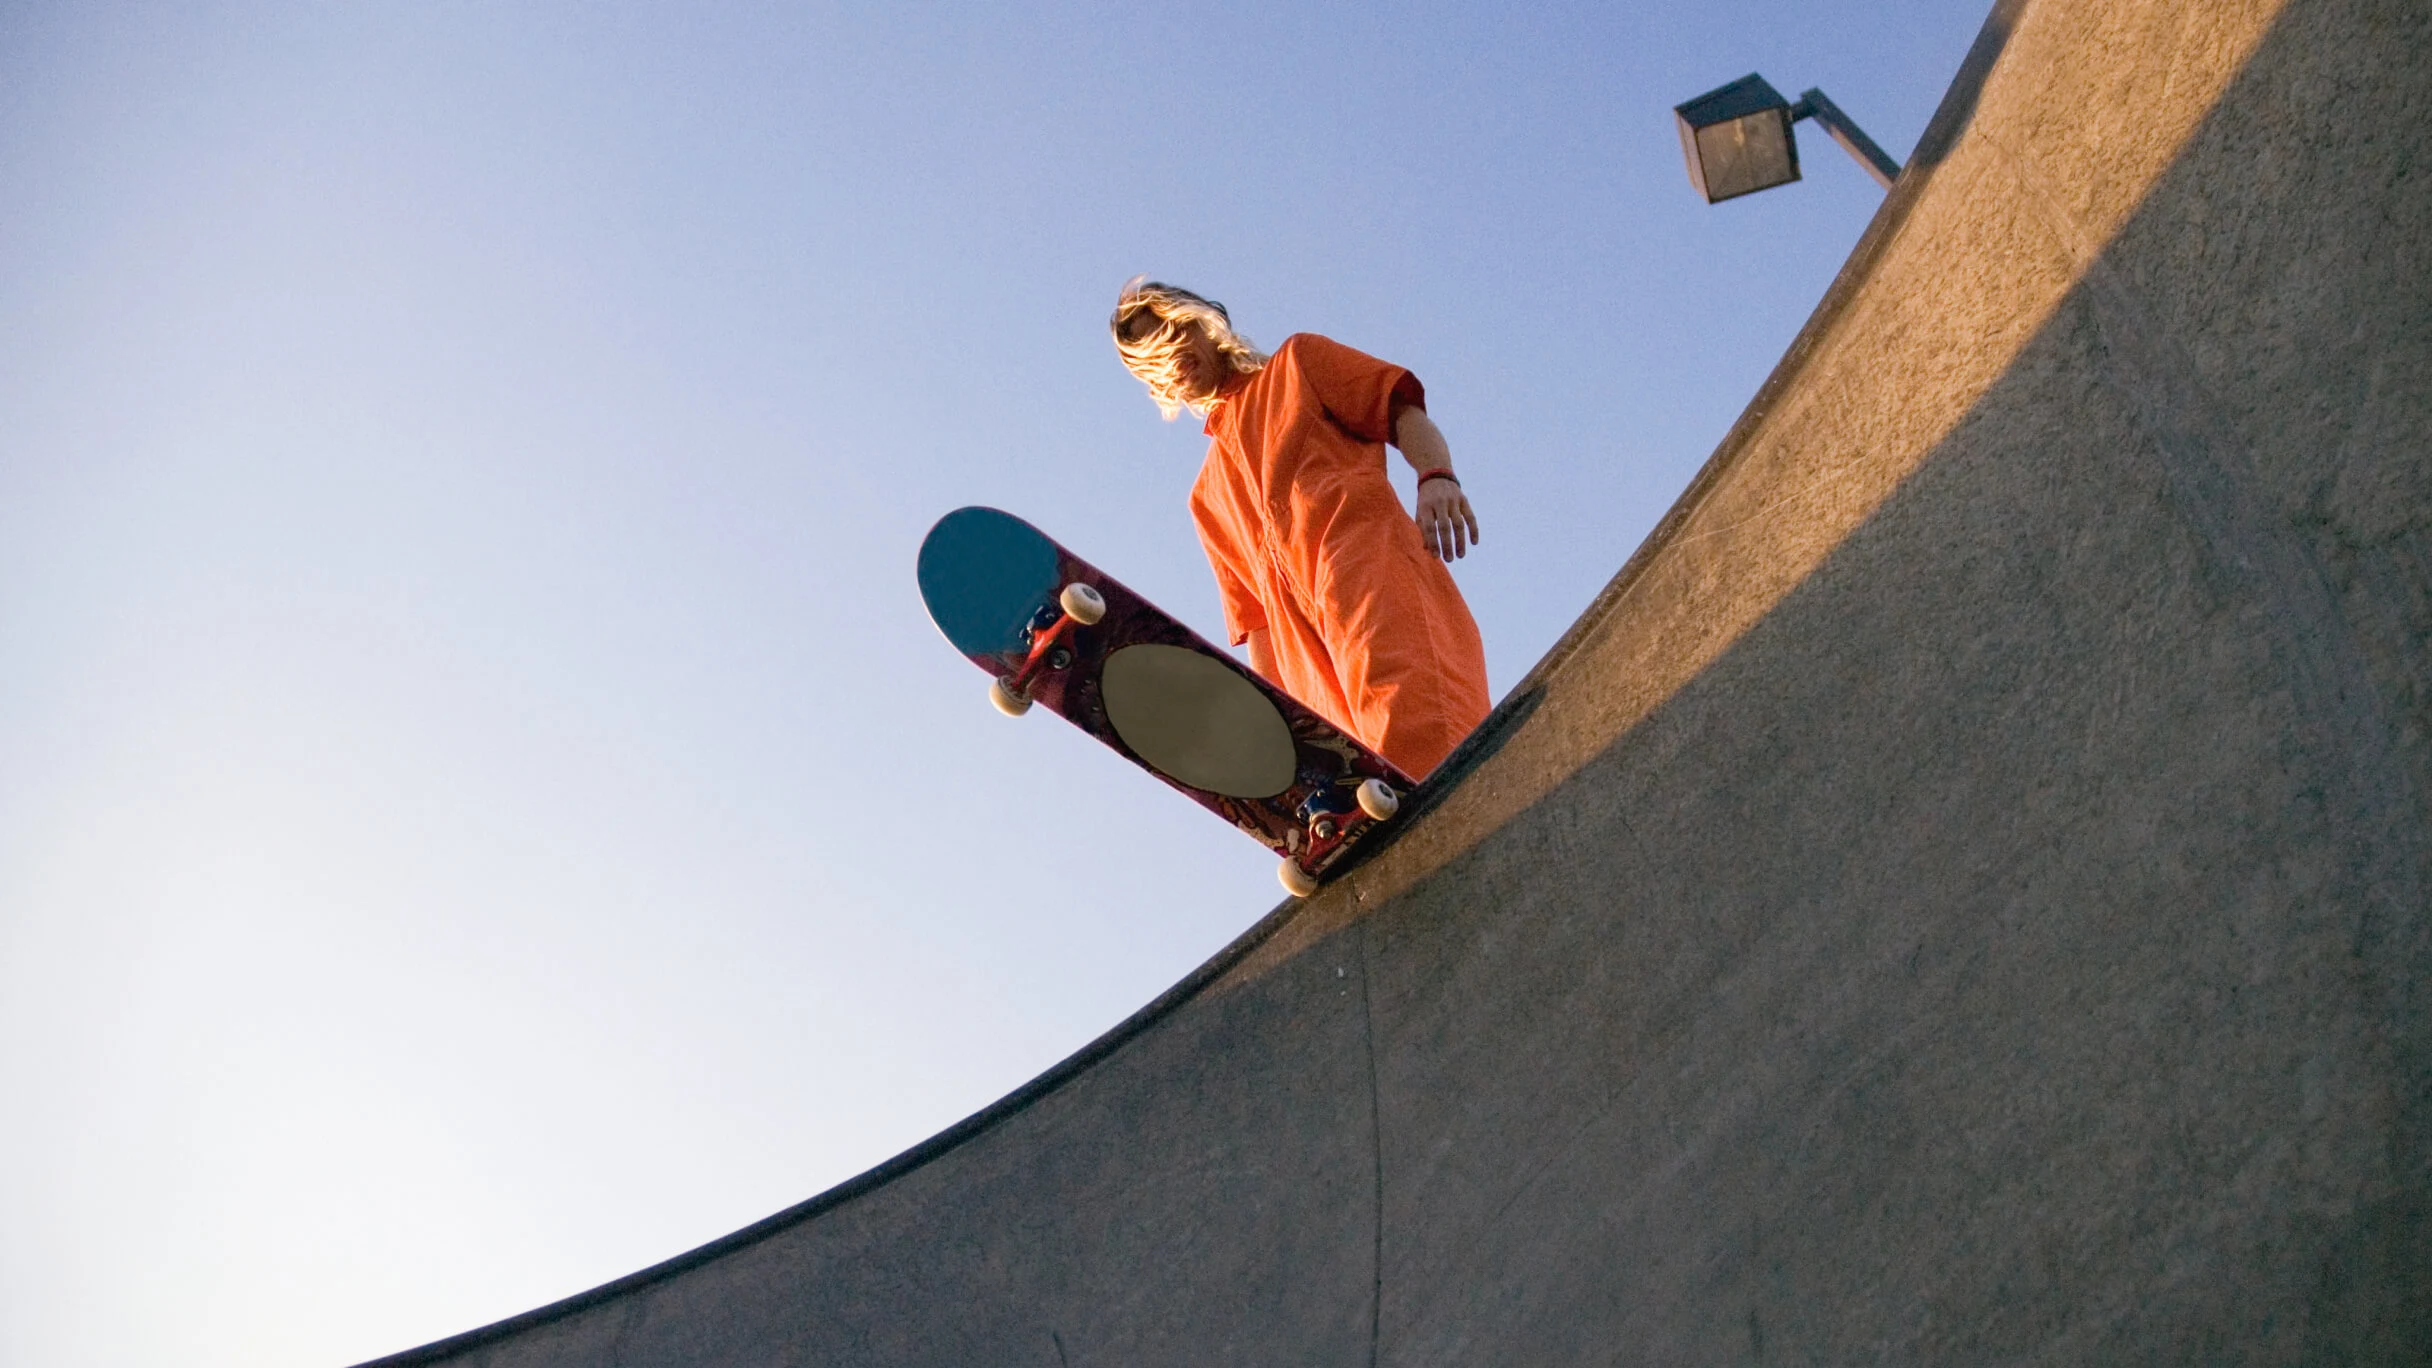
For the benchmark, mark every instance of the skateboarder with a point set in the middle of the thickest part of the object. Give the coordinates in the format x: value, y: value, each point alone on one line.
x: 1341, y: 595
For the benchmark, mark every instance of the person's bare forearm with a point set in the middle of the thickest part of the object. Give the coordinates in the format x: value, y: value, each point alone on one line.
x: 1421, y: 441
x: 1447, y: 524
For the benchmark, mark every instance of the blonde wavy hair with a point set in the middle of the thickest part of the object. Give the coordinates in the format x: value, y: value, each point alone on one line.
x: 1151, y: 337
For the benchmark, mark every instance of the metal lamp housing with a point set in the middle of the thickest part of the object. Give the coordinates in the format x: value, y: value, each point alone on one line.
x: 1737, y: 139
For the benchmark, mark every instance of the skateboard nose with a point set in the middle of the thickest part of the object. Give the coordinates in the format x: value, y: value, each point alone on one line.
x: 982, y: 574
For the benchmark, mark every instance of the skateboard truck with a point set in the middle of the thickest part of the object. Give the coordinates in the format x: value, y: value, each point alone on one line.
x: 1050, y: 637
x: 1328, y: 821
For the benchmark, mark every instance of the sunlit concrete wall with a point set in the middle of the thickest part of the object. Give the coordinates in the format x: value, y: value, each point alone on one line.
x: 1966, y: 889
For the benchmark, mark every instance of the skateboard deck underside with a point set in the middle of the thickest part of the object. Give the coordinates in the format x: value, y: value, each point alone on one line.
x: 991, y: 582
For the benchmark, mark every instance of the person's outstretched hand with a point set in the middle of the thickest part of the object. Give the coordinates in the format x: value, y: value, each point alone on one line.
x: 1447, y: 524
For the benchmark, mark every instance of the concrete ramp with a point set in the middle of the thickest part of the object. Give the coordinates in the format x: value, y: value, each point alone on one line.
x: 1958, y: 896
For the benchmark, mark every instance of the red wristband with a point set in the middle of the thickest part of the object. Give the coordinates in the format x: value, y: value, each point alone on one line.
x: 1439, y: 473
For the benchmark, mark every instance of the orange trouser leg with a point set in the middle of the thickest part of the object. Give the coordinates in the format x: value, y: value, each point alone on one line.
x: 1404, y: 648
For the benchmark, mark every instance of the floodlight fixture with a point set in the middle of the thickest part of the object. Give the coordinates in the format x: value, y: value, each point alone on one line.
x: 1737, y: 139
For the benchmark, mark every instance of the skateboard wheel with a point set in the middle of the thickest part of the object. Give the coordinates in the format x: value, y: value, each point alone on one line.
x: 1006, y: 700
x: 1082, y: 603
x: 1378, y: 799
x: 1298, y: 882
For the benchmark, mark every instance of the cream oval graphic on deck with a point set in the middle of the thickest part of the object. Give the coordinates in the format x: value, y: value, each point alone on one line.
x: 1192, y: 717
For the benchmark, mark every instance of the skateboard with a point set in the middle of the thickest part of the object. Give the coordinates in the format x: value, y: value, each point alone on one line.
x: 1050, y: 628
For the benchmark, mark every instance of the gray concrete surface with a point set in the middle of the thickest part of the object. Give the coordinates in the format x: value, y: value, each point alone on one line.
x: 1958, y: 896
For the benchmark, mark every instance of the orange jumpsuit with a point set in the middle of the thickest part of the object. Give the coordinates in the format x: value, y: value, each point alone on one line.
x: 1309, y: 542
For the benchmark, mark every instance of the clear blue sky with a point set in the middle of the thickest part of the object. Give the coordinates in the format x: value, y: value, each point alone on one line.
x: 481, y: 807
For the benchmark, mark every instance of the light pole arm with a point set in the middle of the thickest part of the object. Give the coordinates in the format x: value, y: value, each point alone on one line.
x: 1853, y: 139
